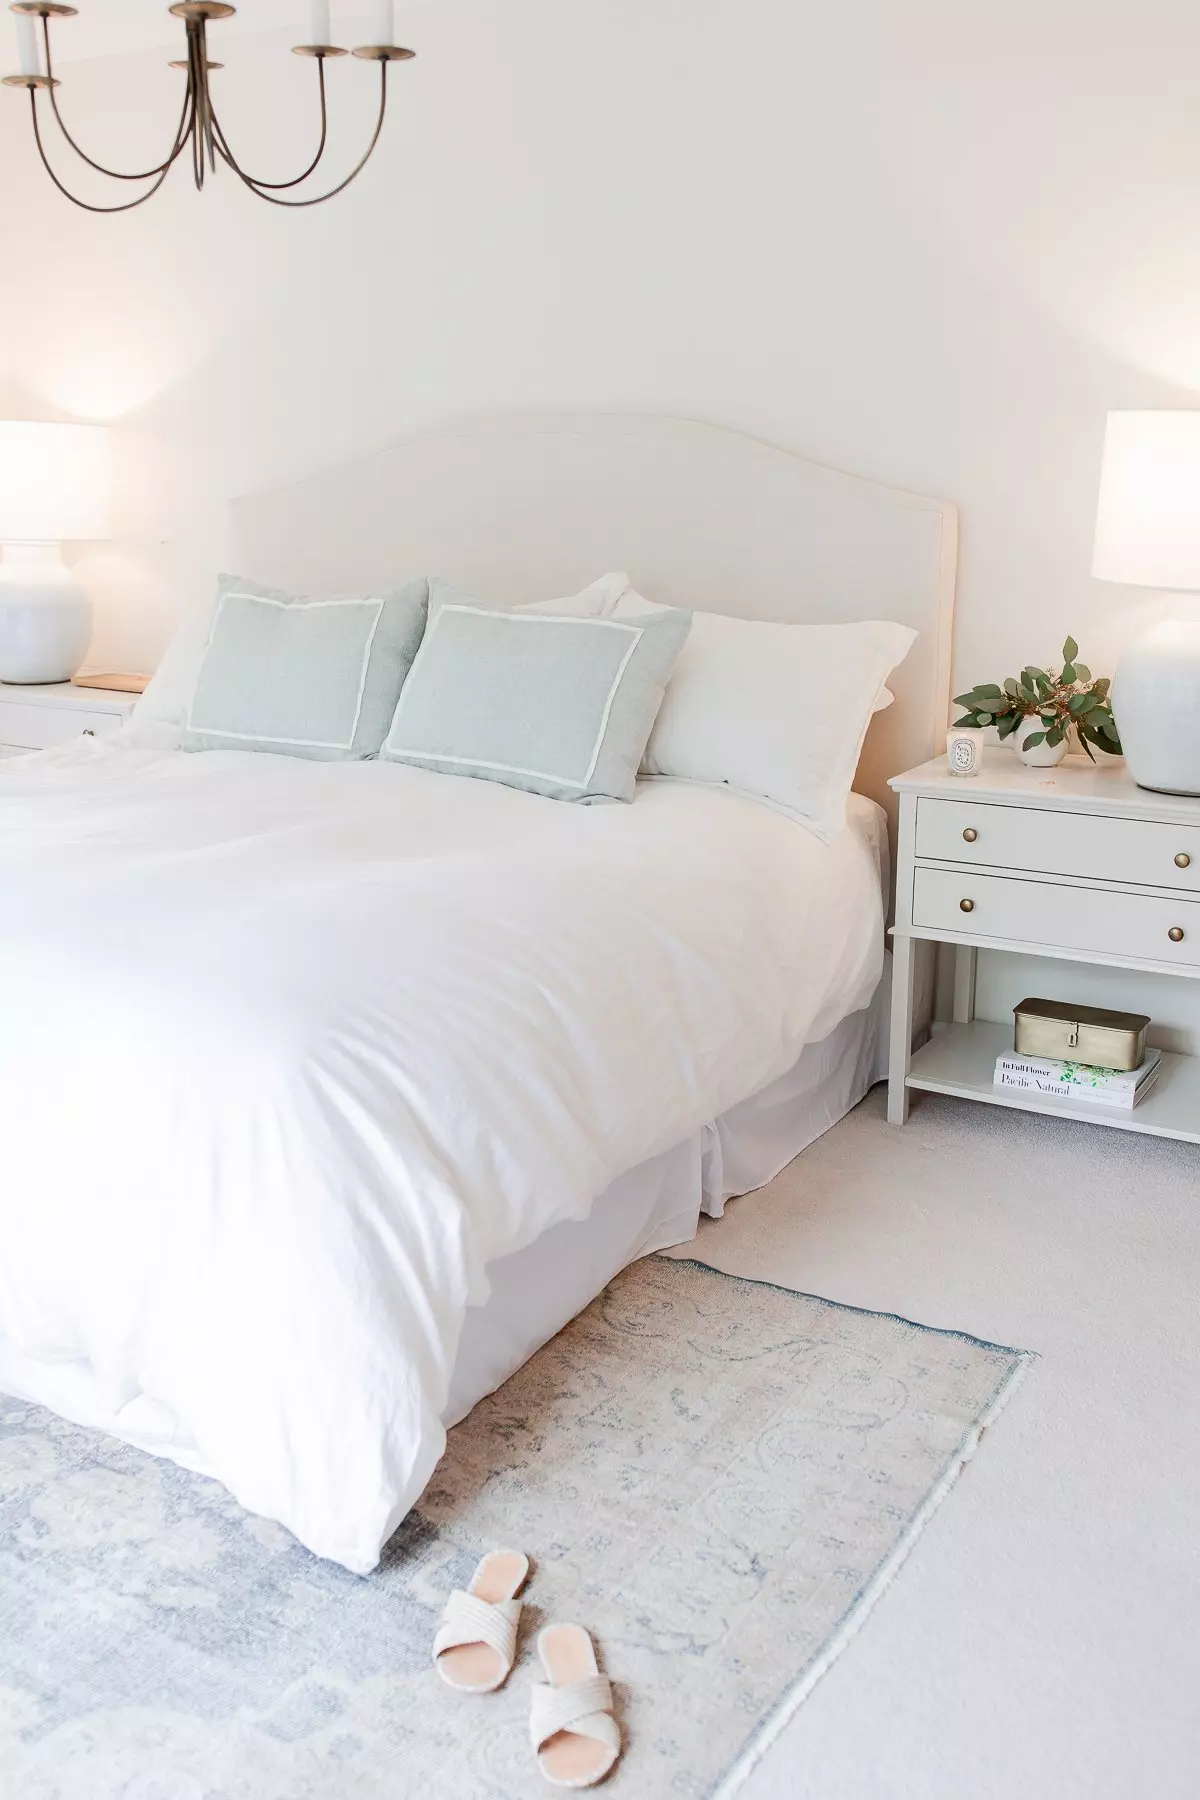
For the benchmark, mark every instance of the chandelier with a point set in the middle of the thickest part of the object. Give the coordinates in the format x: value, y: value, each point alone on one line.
x: 199, y: 131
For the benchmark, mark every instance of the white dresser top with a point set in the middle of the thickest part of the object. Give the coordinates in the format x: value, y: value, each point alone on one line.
x: 1076, y: 785
x: 65, y: 693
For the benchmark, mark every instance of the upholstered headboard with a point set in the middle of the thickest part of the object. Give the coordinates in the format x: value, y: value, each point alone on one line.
x: 521, y: 507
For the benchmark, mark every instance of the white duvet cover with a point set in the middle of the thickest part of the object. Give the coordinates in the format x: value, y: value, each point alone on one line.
x: 290, y: 1051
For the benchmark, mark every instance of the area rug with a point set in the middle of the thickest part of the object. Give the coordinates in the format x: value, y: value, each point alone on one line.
x: 716, y: 1476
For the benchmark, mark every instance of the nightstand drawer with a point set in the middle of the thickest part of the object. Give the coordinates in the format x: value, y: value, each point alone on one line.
x: 1135, y: 852
x: 35, y: 727
x: 1037, y: 913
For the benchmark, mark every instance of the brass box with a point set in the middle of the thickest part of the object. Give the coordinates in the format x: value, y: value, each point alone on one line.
x: 1083, y: 1034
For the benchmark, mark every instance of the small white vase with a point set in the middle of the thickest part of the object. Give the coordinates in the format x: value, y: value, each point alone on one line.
x: 1040, y: 756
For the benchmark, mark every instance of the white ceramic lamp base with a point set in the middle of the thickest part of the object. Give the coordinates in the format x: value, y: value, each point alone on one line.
x: 45, y: 616
x: 1156, y: 704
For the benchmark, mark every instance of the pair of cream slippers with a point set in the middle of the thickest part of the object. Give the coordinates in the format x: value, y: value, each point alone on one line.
x: 575, y: 1737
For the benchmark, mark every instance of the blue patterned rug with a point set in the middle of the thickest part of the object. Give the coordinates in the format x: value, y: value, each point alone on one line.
x: 714, y: 1475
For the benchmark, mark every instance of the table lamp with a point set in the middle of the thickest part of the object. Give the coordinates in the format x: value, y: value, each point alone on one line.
x: 1148, y: 535
x: 54, y: 485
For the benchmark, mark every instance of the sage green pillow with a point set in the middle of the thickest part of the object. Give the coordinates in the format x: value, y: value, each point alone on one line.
x: 302, y: 677
x: 549, y: 702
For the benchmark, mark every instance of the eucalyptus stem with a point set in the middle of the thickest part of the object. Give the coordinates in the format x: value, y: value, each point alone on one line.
x: 1066, y: 700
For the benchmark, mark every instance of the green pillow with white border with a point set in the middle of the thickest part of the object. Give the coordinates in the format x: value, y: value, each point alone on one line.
x: 549, y: 702
x: 296, y: 676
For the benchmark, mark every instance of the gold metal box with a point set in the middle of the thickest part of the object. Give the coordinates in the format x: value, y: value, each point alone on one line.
x: 1083, y: 1034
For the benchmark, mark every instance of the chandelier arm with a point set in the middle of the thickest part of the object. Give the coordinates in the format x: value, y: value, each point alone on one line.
x: 228, y: 157
x: 113, y: 174
x: 86, y: 205
x: 257, y: 187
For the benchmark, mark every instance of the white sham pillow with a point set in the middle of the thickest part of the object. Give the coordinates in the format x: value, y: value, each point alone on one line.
x: 778, y: 712
x: 160, y: 717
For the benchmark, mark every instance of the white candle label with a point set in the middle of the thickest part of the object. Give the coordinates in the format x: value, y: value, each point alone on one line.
x: 964, y: 751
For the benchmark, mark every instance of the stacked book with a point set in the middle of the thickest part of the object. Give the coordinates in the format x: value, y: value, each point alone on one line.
x: 1078, y: 1081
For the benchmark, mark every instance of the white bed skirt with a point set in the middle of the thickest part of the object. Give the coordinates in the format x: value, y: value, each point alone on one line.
x: 536, y: 1291
x: 658, y: 1204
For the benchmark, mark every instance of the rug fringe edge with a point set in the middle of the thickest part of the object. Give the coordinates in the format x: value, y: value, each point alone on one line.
x: 790, y: 1703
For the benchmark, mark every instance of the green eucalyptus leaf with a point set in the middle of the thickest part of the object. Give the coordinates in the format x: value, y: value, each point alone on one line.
x: 1068, y: 674
x: 1033, y: 740
x: 1070, y: 650
x: 1082, y: 672
x: 1008, y: 724
x: 965, y: 699
x: 1101, y: 687
x: 1010, y: 687
x: 988, y: 691
x: 1056, y: 736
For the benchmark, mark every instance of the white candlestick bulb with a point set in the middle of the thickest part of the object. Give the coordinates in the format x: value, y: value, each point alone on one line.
x: 29, y: 43
x: 319, y: 26
x: 386, y: 24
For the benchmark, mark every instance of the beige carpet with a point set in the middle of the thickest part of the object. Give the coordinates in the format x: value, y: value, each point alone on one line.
x: 1040, y: 1643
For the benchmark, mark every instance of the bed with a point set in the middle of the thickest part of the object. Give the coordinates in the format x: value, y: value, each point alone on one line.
x: 329, y: 1091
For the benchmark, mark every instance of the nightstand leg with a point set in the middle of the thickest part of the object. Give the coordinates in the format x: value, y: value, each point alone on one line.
x: 964, y: 984
x: 900, y: 1040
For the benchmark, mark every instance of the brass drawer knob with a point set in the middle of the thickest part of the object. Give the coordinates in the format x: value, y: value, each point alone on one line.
x: 970, y: 834
x: 1176, y: 934
x: 1183, y: 860
x: 969, y: 906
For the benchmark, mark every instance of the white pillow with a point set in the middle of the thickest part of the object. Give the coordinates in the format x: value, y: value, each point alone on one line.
x: 160, y: 717
x: 778, y: 712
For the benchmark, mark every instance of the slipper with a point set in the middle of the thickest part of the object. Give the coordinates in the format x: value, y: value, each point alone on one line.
x: 576, y: 1738
x: 477, y: 1638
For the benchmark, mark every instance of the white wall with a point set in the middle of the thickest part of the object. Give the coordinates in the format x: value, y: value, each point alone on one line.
x: 927, y: 243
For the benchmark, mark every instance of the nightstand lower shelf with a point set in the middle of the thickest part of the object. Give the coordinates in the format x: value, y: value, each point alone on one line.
x: 960, y: 1060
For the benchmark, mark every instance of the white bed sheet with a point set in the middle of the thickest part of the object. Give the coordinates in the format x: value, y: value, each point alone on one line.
x: 291, y: 1052
x: 658, y: 1205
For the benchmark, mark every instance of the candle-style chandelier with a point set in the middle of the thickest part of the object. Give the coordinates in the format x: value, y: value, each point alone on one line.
x: 199, y: 127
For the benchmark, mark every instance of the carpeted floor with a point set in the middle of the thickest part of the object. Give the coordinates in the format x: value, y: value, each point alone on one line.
x: 717, y: 1476
x: 1041, y: 1642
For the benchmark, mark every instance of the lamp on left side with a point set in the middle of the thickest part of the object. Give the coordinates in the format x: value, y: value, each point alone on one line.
x: 55, y: 486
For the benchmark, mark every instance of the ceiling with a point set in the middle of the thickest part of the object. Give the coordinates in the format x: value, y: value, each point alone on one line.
x: 121, y: 27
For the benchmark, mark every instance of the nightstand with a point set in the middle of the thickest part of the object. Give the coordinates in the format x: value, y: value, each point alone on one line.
x: 37, y: 718
x: 1076, y: 863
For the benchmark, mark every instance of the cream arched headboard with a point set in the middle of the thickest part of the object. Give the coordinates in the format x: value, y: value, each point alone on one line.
x: 520, y: 507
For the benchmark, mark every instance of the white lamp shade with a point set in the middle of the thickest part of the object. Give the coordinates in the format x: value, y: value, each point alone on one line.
x: 55, y: 482
x: 1148, y: 518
